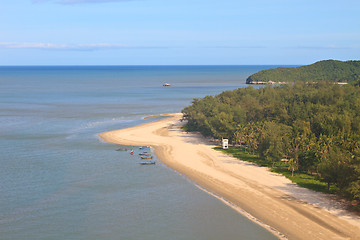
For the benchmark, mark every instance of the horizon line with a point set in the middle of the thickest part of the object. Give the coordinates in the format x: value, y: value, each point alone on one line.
x: 140, y: 65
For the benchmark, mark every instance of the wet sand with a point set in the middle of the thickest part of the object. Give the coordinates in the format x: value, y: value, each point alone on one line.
x: 267, y: 198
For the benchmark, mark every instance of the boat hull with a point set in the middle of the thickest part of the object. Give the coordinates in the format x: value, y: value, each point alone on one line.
x: 147, y: 163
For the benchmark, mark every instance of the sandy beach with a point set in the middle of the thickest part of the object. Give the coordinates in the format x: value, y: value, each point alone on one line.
x: 288, y: 211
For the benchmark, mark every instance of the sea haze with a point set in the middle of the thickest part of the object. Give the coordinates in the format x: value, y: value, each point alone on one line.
x: 58, y: 180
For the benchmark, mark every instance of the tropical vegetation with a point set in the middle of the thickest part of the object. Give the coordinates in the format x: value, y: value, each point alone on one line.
x: 311, y: 129
x: 327, y: 70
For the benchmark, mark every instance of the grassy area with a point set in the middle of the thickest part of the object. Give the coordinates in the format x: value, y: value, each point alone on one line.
x: 185, y: 128
x: 302, y: 179
x: 305, y: 180
x: 245, y: 156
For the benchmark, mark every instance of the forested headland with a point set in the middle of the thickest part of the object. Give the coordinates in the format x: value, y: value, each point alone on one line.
x: 327, y: 70
x: 311, y: 128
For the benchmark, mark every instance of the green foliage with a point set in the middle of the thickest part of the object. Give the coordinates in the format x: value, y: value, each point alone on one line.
x: 328, y: 70
x: 316, y: 127
x: 240, y: 153
x: 274, y: 141
x: 307, y: 181
x: 302, y: 179
x: 336, y: 169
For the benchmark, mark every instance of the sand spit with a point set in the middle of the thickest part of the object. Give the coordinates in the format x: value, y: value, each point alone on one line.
x: 267, y: 198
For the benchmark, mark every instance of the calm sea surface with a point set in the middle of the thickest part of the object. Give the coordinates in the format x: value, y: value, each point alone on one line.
x: 58, y: 180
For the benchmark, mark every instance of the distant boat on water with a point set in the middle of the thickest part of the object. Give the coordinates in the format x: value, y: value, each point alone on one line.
x: 145, y: 154
x: 121, y: 149
x: 144, y: 147
x: 146, y: 157
x: 166, y: 85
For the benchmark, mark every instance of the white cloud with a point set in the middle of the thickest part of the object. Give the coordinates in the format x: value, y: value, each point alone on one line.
x: 232, y: 46
x: 327, y: 47
x: 74, y: 47
x: 80, y: 1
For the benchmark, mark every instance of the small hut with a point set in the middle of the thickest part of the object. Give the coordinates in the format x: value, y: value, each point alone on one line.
x: 225, y: 143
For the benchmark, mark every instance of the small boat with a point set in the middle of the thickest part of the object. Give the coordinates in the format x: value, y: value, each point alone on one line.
x: 145, y: 154
x: 132, y: 152
x: 147, y: 163
x: 121, y: 149
x: 166, y: 85
x: 146, y: 157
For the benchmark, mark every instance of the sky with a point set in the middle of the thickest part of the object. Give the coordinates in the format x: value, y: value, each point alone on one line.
x: 178, y: 32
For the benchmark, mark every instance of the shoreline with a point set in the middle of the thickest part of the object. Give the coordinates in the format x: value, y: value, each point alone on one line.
x: 269, y: 198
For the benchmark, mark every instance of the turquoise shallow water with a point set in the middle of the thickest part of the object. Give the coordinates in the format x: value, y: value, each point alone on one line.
x: 58, y: 180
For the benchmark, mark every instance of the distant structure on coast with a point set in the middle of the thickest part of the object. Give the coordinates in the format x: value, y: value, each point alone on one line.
x: 225, y: 143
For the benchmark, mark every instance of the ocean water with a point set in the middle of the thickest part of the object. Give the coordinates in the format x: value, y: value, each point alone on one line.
x: 58, y: 180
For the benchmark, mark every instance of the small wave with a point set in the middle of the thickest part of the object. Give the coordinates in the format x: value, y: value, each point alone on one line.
x: 7, y: 122
x: 100, y: 124
x: 103, y: 123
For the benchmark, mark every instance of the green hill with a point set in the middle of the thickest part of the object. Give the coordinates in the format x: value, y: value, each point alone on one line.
x: 327, y: 70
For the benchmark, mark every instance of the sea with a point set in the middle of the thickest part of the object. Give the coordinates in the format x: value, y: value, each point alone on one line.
x: 59, y: 180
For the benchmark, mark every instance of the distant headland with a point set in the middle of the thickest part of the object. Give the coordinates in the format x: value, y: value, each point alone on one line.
x: 326, y: 70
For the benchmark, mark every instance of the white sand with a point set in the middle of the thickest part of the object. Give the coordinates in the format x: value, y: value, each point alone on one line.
x: 269, y: 198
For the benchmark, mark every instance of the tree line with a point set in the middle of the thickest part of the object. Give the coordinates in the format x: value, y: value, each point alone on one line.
x: 326, y: 70
x: 315, y: 127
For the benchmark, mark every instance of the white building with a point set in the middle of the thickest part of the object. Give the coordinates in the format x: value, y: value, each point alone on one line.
x: 225, y: 143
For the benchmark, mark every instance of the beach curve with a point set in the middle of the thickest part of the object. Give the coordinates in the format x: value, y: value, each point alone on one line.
x: 280, y: 206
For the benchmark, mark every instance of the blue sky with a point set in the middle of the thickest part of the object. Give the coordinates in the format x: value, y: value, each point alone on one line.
x: 186, y: 32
